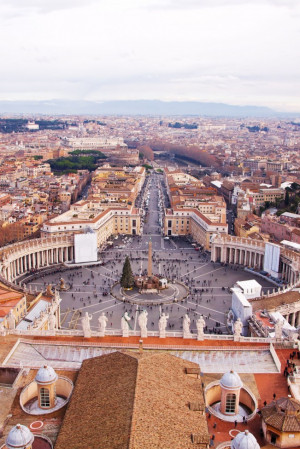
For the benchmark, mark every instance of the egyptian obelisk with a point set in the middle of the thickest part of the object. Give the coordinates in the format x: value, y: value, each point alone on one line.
x: 150, y: 258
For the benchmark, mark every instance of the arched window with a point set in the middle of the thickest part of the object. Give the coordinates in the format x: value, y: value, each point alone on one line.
x: 45, y: 397
x: 230, y: 403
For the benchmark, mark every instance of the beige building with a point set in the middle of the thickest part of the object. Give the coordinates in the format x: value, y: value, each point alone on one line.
x: 117, y: 185
x: 196, y: 210
x: 109, y: 209
x: 192, y: 222
x: 104, y: 223
x: 281, y: 423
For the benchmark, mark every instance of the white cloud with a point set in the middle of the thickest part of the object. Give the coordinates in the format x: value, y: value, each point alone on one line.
x: 43, y: 5
x: 236, y: 51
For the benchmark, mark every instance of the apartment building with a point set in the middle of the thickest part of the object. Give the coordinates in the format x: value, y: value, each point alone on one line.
x: 108, y: 210
x: 117, y: 185
x: 195, y: 209
x: 13, y: 303
x: 194, y: 223
x: 89, y: 215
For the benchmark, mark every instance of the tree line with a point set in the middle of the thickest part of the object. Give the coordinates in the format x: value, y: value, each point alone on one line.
x: 70, y: 164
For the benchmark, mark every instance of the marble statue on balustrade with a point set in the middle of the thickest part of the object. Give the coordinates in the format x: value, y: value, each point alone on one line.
x: 162, y: 324
x: 142, y: 320
x: 49, y: 291
x: 200, y: 323
x: 102, y: 320
x: 278, y: 329
x: 238, y: 328
x: 56, y: 296
x: 34, y: 324
x: 125, y: 324
x: 186, y: 326
x: 85, y: 322
x: 52, y: 322
x: 11, y: 321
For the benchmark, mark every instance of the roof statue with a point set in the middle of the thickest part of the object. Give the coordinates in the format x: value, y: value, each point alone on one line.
x: 85, y: 322
x: 200, y: 323
x: 102, y: 320
x: 186, y: 326
x: 162, y: 324
x: 52, y: 323
x: 49, y: 291
x: 125, y: 324
x: 238, y: 327
x: 142, y: 320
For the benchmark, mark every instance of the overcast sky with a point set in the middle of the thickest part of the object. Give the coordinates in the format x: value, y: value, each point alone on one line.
x: 232, y: 51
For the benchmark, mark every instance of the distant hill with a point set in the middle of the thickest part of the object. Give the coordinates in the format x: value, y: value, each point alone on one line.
x: 136, y: 107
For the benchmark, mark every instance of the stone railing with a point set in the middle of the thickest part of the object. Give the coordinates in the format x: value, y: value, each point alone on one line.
x: 232, y: 239
x: 137, y: 333
x: 280, y: 291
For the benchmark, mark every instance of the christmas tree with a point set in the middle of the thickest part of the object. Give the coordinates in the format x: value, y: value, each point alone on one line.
x: 127, y: 279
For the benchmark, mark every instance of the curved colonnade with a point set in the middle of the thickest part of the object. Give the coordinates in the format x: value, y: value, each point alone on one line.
x: 21, y: 258
x: 250, y: 253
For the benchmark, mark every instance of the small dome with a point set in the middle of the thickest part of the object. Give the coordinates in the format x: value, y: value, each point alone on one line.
x: 46, y: 375
x: 245, y: 440
x: 19, y: 437
x: 231, y: 379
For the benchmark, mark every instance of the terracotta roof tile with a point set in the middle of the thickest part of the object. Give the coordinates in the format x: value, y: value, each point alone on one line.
x: 283, y: 415
x: 133, y: 401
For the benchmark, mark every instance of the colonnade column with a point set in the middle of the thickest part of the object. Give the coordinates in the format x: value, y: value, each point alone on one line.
x: 298, y: 318
x: 213, y: 254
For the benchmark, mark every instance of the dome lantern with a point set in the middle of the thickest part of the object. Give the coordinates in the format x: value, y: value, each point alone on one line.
x: 46, y: 375
x: 244, y: 440
x: 231, y: 385
x: 19, y: 437
x: 46, y: 379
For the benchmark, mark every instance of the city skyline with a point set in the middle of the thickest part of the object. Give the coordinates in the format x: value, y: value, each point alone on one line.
x: 240, y: 53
